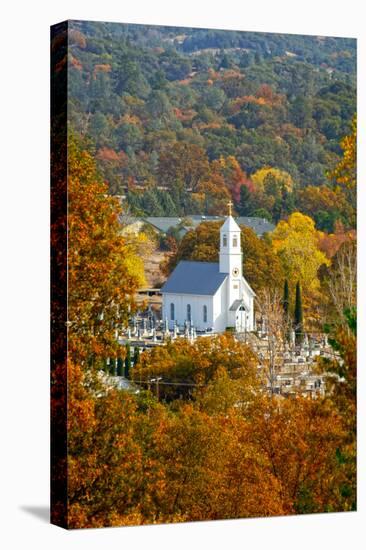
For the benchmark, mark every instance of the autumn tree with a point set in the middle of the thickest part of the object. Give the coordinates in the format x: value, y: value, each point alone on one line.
x: 212, y: 195
x: 216, y: 472
x: 111, y: 163
x: 261, y: 266
x: 232, y: 173
x: 341, y: 379
x: 272, y: 179
x: 186, y: 366
x: 330, y: 243
x: 341, y: 281
x: 325, y: 205
x: 345, y: 173
x: 275, y: 323
x: 104, y: 270
x: 200, y: 244
x: 299, y: 440
x: 111, y: 480
x: 183, y: 162
x: 296, y: 243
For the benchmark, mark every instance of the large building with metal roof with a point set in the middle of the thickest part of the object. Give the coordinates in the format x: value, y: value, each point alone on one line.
x: 163, y: 224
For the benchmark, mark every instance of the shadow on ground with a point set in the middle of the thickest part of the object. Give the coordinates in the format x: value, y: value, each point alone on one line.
x: 40, y: 512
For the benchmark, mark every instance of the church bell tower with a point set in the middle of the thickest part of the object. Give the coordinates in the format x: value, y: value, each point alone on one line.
x: 231, y: 256
x: 230, y: 247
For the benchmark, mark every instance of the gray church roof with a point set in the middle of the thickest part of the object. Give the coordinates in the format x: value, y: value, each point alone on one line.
x: 195, y: 278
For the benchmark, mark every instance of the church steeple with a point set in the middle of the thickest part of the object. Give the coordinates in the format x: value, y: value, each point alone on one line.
x: 231, y: 259
x: 230, y: 248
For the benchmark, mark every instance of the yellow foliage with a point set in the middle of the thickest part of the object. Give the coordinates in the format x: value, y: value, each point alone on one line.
x: 296, y: 243
x: 266, y: 176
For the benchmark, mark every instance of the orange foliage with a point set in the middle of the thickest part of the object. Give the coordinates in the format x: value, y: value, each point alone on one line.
x: 108, y: 154
x: 101, y: 68
x: 184, y: 115
x: 101, y: 280
x: 330, y: 243
x: 233, y: 175
x: 77, y: 38
x: 237, y: 103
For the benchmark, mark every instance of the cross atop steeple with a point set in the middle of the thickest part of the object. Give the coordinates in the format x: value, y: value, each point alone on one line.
x: 230, y: 204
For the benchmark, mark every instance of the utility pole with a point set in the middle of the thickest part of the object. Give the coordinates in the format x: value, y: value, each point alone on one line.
x: 156, y: 380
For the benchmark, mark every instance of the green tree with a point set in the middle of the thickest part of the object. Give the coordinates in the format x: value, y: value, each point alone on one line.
x: 286, y: 299
x: 136, y: 356
x: 112, y: 366
x: 128, y: 360
x: 298, y: 315
x: 245, y: 206
x: 119, y: 366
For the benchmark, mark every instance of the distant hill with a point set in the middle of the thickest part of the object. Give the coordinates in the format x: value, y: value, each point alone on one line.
x: 266, y: 100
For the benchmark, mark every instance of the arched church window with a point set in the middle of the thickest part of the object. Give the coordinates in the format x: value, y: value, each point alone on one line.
x: 224, y: 240
x: 235, y: 240
x: 189, y: 313
x: 205, y: 314
x: 172, y: 312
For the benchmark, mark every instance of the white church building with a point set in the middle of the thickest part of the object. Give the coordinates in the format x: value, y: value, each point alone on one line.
x: 211, y: 296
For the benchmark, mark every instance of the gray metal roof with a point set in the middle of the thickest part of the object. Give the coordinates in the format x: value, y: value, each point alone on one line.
x: 259, y: 225
x: 195, y: 278
x: 236, y: 304
x: 162, y: 223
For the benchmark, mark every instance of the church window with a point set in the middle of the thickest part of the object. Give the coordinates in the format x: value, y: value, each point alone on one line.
x: 189, y: 313
x: 172, y: 312
x: 205, y: 314
x: 224, y: 240
x: 235, y: 240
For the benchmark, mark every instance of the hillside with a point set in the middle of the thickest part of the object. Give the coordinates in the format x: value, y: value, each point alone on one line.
x: 182, y: 120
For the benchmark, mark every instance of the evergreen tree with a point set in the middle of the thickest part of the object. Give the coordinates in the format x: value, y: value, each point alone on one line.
x: 245, y: 207
x: 286, y: 299
x: 167, y: 203
x: 151, y: 203
x: 136, y: 356
x: 119, y: 366
x: 112, y: 366
x: 128, y: 361
x: 298, y: 315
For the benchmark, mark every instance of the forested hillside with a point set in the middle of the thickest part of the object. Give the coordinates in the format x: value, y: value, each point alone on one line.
x: 181, y: 120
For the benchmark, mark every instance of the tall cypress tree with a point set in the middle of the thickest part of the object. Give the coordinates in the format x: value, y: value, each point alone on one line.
x: 286, y: 299
x: 112, y: 366
x: 106, y: 365
x: 298, y: 317
x: 128, y: 360
x: 119, y: 366
x: 136, y: 356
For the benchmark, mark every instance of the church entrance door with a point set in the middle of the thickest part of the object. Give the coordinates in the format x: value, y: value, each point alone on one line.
x: 241, y: 319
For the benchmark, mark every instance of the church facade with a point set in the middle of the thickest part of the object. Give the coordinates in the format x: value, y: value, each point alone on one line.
x: 211, y: 296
